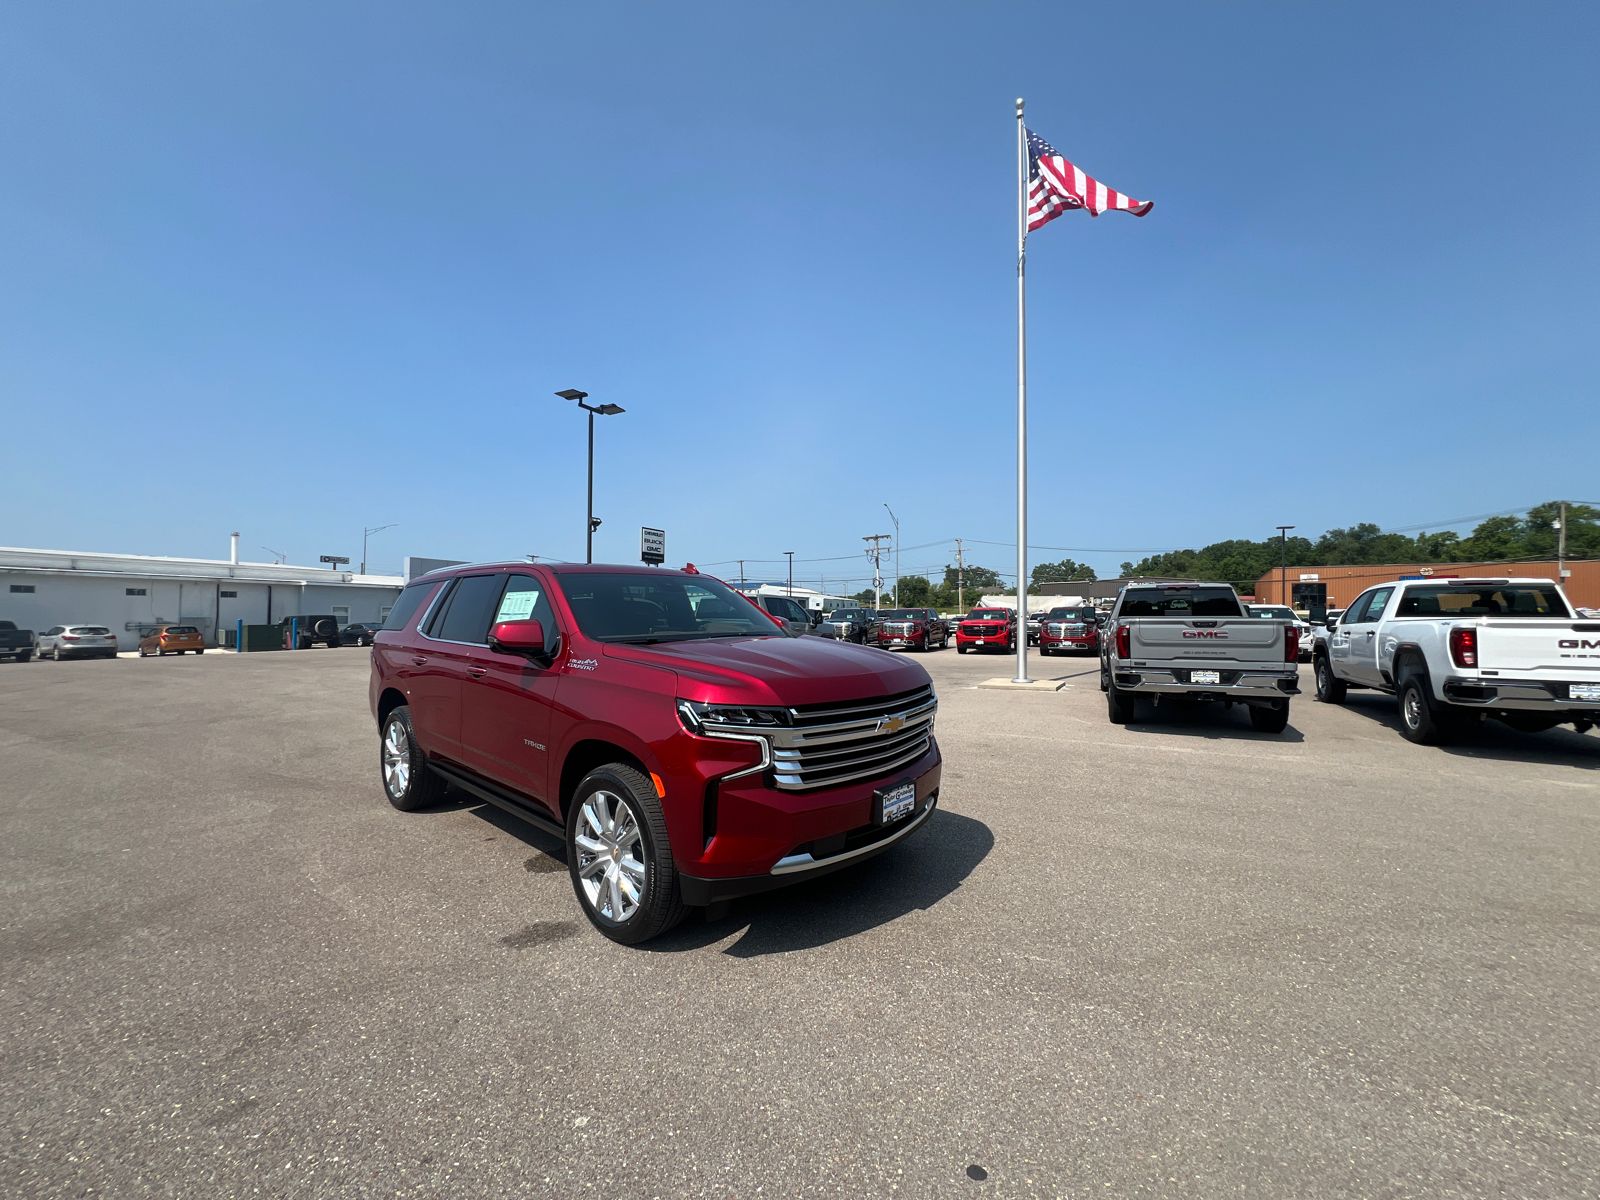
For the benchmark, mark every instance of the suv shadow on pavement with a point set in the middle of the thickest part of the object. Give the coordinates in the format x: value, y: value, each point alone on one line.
x: 1562, y: 746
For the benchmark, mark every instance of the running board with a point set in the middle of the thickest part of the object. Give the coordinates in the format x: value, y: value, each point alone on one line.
x: 501, y: 798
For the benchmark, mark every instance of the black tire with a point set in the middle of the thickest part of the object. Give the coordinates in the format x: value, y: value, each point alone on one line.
x: 304, y: 643
x: 1330, y: 688
x: 1269, y: 720
x: 1421, y: 720
x: 200, y: 651
x: 617, y: 787
x: 960, y: 649
x: 416, y: 786
x: 24, y: 655
x: 1119, y: 704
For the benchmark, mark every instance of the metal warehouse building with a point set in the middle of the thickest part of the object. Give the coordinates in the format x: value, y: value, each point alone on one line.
x: 131, y: 593
x: 1336, y: 587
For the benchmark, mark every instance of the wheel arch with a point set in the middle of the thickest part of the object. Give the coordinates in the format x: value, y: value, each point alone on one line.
x: 1409, y: 654
x: 584, y: 756
x: 391, y: 699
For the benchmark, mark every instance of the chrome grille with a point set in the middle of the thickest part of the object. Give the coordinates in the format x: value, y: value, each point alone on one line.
x: 834, y: 744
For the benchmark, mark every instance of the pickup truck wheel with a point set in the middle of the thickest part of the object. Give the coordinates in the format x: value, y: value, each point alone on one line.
x: 1119, y: 704
x: 1330, y: 688
x: 24, y: 655
x: 1420, y: 719
x: 407, y: 781
x: 1269, y: 720
x: 619, y: 857
x: 960, y: 649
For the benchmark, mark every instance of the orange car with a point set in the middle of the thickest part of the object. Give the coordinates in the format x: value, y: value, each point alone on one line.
x: 172, y: 639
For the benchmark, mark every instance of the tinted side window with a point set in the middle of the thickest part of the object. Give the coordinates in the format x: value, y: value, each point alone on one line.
x: 1375, y: 605
x: 406, y: 606
x: 471, y: 605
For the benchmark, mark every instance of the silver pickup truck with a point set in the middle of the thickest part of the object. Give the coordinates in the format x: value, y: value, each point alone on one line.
x: 1195, y: 642
x: 1458, y: 651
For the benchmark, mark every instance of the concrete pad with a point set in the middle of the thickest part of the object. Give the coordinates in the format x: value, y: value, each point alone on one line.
x: 1033, y: 685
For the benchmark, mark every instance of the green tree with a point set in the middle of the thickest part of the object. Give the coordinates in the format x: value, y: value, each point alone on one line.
x: 1065, y: 571
x: 915, y: 592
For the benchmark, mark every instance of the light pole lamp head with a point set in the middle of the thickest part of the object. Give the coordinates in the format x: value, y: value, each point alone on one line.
x: 594, y: 523
x: 610, y: 410
x: 573, y: 394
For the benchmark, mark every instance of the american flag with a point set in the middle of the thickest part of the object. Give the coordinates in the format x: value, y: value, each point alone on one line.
x: 1056, y: 186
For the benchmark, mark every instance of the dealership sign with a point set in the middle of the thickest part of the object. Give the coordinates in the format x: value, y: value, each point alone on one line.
x: 653, y: 546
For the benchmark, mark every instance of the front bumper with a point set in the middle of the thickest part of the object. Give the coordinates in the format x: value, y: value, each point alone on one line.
x: 767, y: 839
x: 1522, y: 695
x: 1047, y: 642
x: 1249, y: 684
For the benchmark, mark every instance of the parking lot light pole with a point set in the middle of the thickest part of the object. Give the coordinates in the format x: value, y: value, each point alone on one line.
x: 790, y: 553
x: 365, y: 534
x: 605, y: 410
x: 1283, y: 564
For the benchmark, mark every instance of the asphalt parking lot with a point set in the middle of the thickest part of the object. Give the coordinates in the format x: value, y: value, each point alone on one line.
x: 1176, y: 959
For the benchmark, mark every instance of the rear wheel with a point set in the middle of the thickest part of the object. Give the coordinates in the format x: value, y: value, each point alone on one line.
x: 619, y: 857
x: 407, y: 781
x: 1422, y: 719
x: 1269, y: 720
x: 1330, y: 688
x: 1119, y: 704
x: 24, y: 655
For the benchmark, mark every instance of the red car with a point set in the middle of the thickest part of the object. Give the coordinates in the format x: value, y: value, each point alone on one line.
x: 986, y: 629
x: 913, y: 628
x: 685, y: 749
x: 1064, y: 630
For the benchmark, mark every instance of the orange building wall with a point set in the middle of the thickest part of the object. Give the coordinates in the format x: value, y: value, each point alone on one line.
x: 1344, y: 584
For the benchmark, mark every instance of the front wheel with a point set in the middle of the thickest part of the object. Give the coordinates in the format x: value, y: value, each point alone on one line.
x: 1269, y: 720
x: 960, y: 649
x: 407, y: 781
x: 619, y: 857
x: 1330, y: 688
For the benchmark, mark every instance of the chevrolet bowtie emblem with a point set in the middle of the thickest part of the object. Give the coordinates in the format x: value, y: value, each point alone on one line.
x: 892, y: 725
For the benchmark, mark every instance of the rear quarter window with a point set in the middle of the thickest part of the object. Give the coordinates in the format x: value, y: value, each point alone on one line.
x: 406, y: 606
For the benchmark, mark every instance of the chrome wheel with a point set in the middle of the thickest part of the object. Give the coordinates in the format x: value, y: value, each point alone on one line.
x: 1411, y: 709
x: 610, y: 850
x: 396, y: 759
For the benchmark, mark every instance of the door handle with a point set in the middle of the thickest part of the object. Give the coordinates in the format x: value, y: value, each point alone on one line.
x: 477, y: 672
x: 419, y: 660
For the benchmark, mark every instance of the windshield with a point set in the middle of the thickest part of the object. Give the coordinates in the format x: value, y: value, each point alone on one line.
x: 1071, y: 614
x: 906, y: 614
x: 847, y: 614
x: 1180, y: 602
x: 1483, y: 600
x: 989, y: 614
x: 1274, y: 614
x: 641, y: 608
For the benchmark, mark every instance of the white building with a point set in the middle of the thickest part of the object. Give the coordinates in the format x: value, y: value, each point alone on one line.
x: 130, y: 593
x: 807, y: 598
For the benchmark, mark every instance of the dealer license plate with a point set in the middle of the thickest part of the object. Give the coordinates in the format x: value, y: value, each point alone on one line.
x: 895, y: 802
x: 1205, y: 676
x: 1584, y: 691
x: 980, y: 641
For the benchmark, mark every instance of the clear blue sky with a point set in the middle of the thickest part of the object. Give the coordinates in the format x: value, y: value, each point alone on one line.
x: 292, y: 269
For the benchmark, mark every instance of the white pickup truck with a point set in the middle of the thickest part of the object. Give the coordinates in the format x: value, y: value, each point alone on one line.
x: 1457, y: 651
x: 1194, y: 642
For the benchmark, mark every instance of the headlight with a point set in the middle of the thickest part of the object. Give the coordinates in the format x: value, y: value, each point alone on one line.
x: 707, y: 718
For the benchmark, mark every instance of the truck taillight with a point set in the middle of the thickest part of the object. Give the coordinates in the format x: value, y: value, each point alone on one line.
x: 1124, y: 641
x: 1464, y: 647
x: 1291, y: 643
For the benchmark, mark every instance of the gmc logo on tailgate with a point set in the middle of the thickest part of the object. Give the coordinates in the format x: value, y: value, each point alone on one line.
x: 1204, y: 633
x: 1576, y: 644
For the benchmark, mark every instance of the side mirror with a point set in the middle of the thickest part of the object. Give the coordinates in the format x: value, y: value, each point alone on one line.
x: 1331, y: 622
x: 517, y: 637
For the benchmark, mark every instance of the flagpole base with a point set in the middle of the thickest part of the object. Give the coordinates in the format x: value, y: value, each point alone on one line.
x: 1024, y: 685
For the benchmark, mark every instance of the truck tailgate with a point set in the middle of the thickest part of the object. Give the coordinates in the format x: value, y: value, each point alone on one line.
x: 1555, y: 648
x: 1242, y: 639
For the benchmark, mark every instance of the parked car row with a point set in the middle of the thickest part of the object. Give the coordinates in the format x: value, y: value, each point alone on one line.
x: 98, y: 641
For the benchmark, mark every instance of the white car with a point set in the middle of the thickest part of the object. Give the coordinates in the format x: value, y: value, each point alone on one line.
x: 1455, y: 651
x: 77, y: 641
x: 1280, y: 612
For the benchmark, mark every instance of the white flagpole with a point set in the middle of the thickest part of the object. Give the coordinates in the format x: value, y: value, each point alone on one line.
x: 1022, y: 401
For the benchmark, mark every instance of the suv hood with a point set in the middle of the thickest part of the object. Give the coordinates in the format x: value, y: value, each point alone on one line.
x: 776, y: 670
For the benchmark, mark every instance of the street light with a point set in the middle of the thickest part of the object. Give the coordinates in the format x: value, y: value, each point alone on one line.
x: 605, y: 410
x: 896, y: 521
x: 1283, y: 564
x: 365, y: 534
x: 790, y: 553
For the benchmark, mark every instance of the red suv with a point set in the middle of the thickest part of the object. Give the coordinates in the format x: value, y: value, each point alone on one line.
x: 685, y: 749
x: 1067, y: 629
x: 987, y: 628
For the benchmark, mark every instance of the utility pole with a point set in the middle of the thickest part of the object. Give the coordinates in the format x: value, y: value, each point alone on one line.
x: 790, y: 553
x: 1561, y: 544
x: 1283, y: 567
x: 875, y: 553
x: 741, y: 574
x: 961, y: 566
x: 896, y: 521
